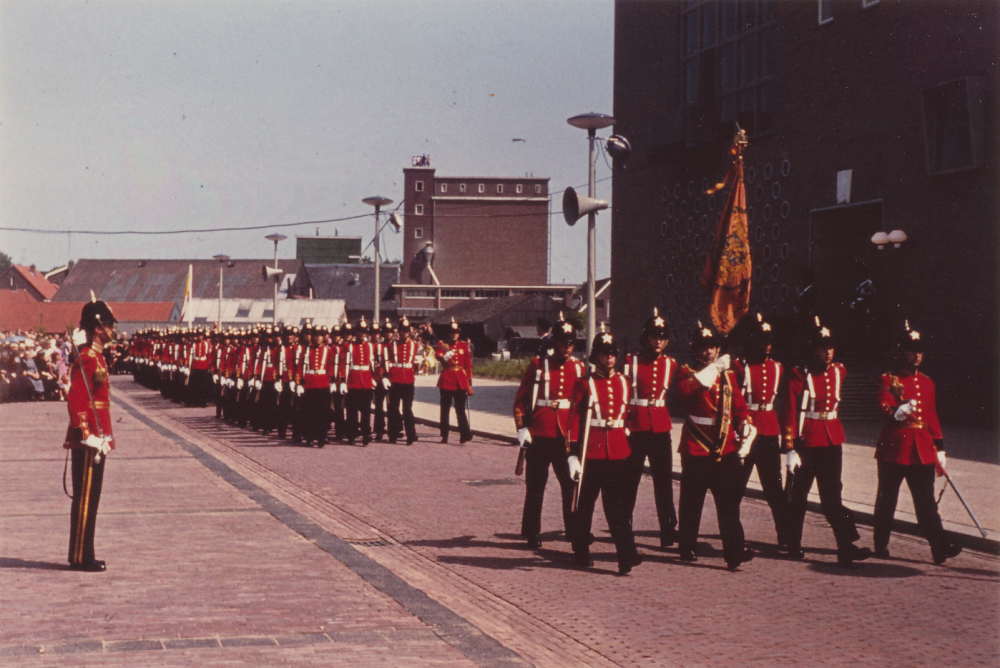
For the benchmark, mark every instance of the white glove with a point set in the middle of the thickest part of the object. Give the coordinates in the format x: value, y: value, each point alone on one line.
x: 239, y: 383
x: 448, y: 355
x: 215, y: 379
x: 343, y: 388
x: 523, y: 436
x: 277, y: 386
x: 333, y: 388
x: 575, y: 467
x: 95, y: 442
x: 79, y: 337
x: 257, y: 384
x: 292, y: 385
x: 299, y: 390
x: 186, y: 370
x: 707, y: 376
x: 792, y: 461
x: 942, y: 459
x: 106, y: 445
x: 722, y: 363
x: 386, y: 383
x: 905, y: 410
x: 746, y: 440
x: 173, y: 367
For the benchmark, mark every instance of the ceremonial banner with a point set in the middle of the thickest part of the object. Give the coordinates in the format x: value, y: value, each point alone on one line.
x: 187, y: 313
x: 727, y: 268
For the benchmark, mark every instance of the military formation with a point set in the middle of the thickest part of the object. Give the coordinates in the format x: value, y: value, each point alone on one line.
x: 596, y: 429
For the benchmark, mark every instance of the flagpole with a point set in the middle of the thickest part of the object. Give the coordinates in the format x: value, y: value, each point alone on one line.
x: 187, y: 295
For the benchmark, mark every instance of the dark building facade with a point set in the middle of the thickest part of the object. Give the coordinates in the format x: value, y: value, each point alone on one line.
x: 863, y: 116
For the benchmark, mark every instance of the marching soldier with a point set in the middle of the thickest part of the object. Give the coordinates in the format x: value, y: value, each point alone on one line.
x: 401, y: 363
x: 89, y: 436
x: 909, y: 448
x: 199, y: 375
x: 811, y: 423
x: 455, y: 382
x: 360, y: 368
x: 650, y: 374
x: 759, y: 377
x: 544, y: 426
x: 711, y: 452
x: 600, y: 403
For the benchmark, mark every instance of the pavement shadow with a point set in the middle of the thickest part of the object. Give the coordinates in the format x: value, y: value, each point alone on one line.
x: 11, y: 562
x: 880, y: 570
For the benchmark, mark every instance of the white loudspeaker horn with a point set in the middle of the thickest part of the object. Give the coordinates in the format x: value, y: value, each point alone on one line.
x: 577, y: 206
x: 270, y: 272
x: 396, y: 221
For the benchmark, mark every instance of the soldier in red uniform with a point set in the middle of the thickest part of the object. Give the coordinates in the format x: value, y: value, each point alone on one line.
x: 315, y: 385
x: 338, y: 351
x: 360, y: 367
x: 544, y: 426
x: 811, y: 423
x: 380, y: 337
x: 455, y: 382
x: 760, y: 377
x: 909, y: 448
x: 650, y: 374
x: 89, y: 436
x: 400, y: 364
x: 599, y: 405
x: 288, y: 364
x: 199, y: 375
x: 718, y: 433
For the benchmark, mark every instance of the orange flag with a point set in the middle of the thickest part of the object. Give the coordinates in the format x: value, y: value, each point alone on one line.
x: 727, y: 268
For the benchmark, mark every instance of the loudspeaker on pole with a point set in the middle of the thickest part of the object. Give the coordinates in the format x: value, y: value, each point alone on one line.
x: 577, y: 206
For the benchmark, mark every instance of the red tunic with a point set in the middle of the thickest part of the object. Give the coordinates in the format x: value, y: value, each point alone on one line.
x: 607, y: 439
x: 550, y: 414
x: 314, y: 370
x: 361, y: 366
x: 703, y: 428
x: 399, y: 361
x: 759, y: 383
x: 650, y: 379
x: 81, y: 413
x: 910, y: 441
x: 457, y: 371
x: 811, y: 409
x: 198, y: 358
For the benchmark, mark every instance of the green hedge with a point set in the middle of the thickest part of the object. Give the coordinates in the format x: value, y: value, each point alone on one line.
x: 500, y: 370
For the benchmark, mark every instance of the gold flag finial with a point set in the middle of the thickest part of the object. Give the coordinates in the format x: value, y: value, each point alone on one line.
x: 93, y: 297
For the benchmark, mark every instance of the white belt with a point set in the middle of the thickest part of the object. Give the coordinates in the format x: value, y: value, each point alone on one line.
x: 647, y: 402
x: 314, y: 373
x: 761, y: 407
x: 607, y: 424
x: 360, y: 368
x: 704, y: 421
x: 828, y: 415
x: 200, y: 359
x: 398, y: 366
x: 553, y: 403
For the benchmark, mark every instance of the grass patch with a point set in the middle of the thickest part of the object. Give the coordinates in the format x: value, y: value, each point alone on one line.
x: 500, y: 369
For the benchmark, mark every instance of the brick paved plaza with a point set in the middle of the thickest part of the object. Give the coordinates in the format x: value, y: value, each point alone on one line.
x: 227, y: 547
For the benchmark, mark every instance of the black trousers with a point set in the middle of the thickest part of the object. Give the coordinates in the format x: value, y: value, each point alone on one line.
x: 725, y: 479
x: 457, y: 397
x: 88, y: 478
x: 657, y: 447
x: 765, y: 454
x: 359, y: 414
x: 286, y: 410
x: 198, y: 390
x: 267, y: 407
x: 541, y: 453
x: 314, y: 414
x: 379, y: 396
x: 824, y: 465
x: 609, y: 479
x: 337, y: 402
x: 401, y: 394
x: 920, y: 479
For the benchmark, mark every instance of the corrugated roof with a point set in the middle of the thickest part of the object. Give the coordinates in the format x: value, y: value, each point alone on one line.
x: 327, y: 312
x: 58, y: 316
x: 164, y: 280
x: 36, y: 280
x: 354, y: 283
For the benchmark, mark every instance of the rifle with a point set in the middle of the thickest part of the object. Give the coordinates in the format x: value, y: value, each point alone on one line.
x: 93, y: 404
x: 519, y: 467
x: 583, y: 452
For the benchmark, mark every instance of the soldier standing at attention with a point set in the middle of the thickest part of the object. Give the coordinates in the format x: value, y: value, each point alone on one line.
x: 544, y: 425
x: 401, y: 363
x: 759, y: 376
x: 810, y: 422
x: 711, y: 452
x: 909, y: 448
x: 650, y: 374
x: 455, y: 382
x: 89, y: 436
x: 360, y: 365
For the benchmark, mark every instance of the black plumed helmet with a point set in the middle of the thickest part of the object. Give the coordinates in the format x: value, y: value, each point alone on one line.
x: 94, y: 313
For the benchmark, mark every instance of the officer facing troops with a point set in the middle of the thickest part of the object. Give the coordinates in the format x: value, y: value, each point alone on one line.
x: 89, y: 436
x: 400, y: 364
x: 718, y: 433
x: 544, y: 425
x: 909, y: 448
x: 455, y: 381
x: 650, y: 374
x: 811, y: 423
x: 759, y: 378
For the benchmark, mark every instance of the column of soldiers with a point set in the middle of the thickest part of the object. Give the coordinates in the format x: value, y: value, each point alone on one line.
x: 312, y: 380
x: 597, y: 428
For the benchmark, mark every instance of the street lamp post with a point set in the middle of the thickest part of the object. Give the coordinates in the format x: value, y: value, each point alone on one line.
x: 591, y: 123
x: 378, y: 203
x: 221, y: 259
x: 277, y: 276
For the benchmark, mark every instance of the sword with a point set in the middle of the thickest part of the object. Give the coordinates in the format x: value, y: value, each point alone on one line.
x: 583, y: 454
x: 93, y: 404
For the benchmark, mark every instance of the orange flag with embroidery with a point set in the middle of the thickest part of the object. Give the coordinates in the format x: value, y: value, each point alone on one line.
x: 727, y: 268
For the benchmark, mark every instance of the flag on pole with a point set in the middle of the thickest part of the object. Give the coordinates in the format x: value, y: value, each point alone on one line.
x: 187, y: 313
x: 727, y: 268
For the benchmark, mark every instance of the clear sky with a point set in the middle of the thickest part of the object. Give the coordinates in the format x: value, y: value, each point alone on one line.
x: 194, y: 114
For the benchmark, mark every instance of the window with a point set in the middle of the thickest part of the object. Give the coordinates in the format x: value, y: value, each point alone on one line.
x: 419, y: 209
x: 268, y: 313
x: 420, y: 294
x: 461, y: 187
x: 482, y: 188
x: 444, y: 187
x: 244, y: 310
x: 825, y: 11
x: 520, y: 189
x: 419, y: 186
x: 953, y: 125
x: 418, y: 233
x: 538, y: 189
x: 499, y: 189
x: 728, y: 62
x: 201, y: 320
x: 456, y: 294
x: 491, y: 294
